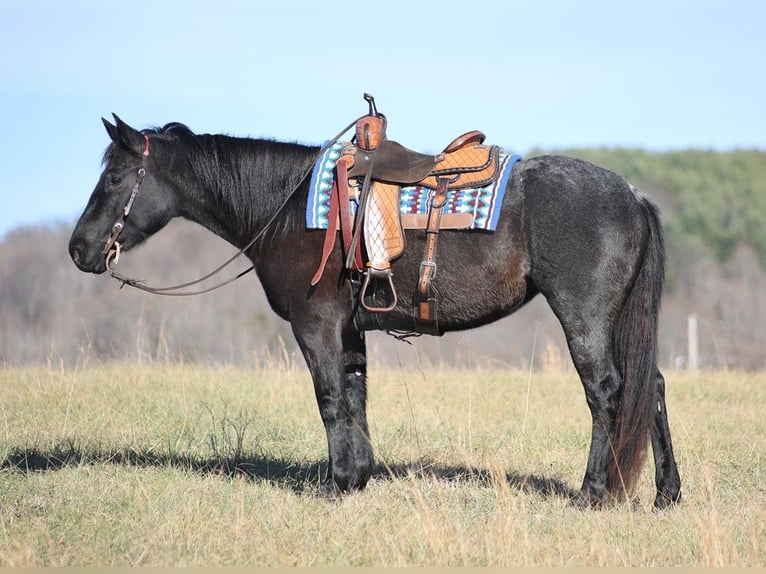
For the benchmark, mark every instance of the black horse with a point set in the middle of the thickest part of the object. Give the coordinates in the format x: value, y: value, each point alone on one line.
x: 581, y: 235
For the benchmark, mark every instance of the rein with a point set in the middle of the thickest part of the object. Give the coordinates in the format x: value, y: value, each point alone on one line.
x: 112, y: 247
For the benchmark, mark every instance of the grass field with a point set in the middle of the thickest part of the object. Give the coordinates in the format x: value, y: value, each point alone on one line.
x: 131, y: 464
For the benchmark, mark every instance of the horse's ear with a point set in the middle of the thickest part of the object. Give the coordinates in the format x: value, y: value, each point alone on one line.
x: 128, y: 136
x: 114, y: 134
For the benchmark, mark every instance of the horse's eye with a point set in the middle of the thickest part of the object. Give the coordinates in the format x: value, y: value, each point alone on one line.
x: 115, y: 179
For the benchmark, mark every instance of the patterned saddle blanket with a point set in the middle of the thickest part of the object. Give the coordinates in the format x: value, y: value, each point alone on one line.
x: 473, y: 208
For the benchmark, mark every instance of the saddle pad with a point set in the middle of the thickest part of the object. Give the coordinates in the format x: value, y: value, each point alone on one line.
x: 482, y: 203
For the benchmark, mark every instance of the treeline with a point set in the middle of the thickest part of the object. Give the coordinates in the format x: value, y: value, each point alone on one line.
x: 714, y: 213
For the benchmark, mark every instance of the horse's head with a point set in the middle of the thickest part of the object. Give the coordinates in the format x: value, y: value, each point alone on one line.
x: 128, y: 204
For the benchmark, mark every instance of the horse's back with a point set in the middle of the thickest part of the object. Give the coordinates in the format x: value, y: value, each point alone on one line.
x: 562, y: 188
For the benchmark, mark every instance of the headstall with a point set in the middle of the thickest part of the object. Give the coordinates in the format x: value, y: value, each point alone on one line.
x: 112, y: 247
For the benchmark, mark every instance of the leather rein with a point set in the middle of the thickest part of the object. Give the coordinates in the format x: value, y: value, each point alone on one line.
x: 112, y: 247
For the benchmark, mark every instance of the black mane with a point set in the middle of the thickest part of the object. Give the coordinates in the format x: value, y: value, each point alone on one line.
x: 171, y: 127
x: 238, y: 169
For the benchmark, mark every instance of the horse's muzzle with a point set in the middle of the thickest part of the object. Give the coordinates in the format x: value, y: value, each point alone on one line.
x: 86, y: 259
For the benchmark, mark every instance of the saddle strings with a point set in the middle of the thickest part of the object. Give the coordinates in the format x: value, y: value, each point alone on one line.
x: 170, y: 290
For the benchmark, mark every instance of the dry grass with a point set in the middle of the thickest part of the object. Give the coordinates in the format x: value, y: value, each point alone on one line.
x: 184, y: 465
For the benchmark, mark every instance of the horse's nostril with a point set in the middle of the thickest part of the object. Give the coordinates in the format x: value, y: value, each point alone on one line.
x: 75, y: 253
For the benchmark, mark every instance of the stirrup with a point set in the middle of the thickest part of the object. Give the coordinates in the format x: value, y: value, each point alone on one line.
x: 377, y: 274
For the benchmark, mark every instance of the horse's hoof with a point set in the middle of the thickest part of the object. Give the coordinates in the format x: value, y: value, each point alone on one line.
x: 331, y: 491
x: 664, y: 501
x: 584, y: 501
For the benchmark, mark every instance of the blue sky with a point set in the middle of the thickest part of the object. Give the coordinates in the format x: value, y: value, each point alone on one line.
x: 654, y: 74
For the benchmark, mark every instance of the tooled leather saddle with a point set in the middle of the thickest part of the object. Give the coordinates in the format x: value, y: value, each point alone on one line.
x: 373, y: 169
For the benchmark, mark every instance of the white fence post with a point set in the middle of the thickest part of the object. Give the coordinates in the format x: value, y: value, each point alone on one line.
x: 693, y: 351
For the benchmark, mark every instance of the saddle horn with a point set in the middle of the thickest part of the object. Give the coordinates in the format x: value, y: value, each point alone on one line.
x: 370, y: 100
x: 370, y: 129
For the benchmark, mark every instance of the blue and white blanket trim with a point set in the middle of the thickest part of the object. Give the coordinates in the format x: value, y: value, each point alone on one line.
x: 484, y: 202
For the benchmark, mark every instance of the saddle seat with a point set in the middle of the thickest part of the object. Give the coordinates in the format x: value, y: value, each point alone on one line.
x: 391, y: 162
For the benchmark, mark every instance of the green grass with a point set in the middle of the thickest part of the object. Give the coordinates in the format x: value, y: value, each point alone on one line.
x: 130, y: 464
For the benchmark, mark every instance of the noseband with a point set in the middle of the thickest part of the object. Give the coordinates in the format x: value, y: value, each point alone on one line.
x: 112, y: 247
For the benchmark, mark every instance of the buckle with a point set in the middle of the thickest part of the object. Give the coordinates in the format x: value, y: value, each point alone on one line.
x: 424, y: 265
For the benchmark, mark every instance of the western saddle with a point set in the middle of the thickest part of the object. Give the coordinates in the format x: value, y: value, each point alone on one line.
x: 372, y: 169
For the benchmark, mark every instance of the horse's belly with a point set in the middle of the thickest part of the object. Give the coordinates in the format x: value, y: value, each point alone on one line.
x: 471, y: 288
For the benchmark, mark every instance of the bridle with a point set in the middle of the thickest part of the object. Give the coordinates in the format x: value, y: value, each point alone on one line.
x: 112, y: 247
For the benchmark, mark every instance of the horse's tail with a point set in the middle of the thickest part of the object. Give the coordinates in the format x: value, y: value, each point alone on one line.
x: 635, y: 353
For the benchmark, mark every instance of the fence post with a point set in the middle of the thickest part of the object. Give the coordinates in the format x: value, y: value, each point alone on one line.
x: 692, y: 341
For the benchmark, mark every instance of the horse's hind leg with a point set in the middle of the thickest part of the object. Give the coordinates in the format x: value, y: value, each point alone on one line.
x: 602, y: 383
x: 588, y: 329
x: 666, y: 475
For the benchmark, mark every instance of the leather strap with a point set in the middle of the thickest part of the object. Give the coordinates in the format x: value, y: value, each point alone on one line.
x: 346, y: 224
x: 426, y: 318
x: 330, y: 233
x: 339, y: 207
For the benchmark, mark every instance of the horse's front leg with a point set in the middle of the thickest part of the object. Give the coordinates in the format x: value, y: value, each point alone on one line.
x: 337, y: 359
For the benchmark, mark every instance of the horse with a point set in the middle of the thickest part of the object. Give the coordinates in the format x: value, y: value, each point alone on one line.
x: 578, y: 234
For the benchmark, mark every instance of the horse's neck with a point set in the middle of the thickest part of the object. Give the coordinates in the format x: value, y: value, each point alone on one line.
x: 243, y: 183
